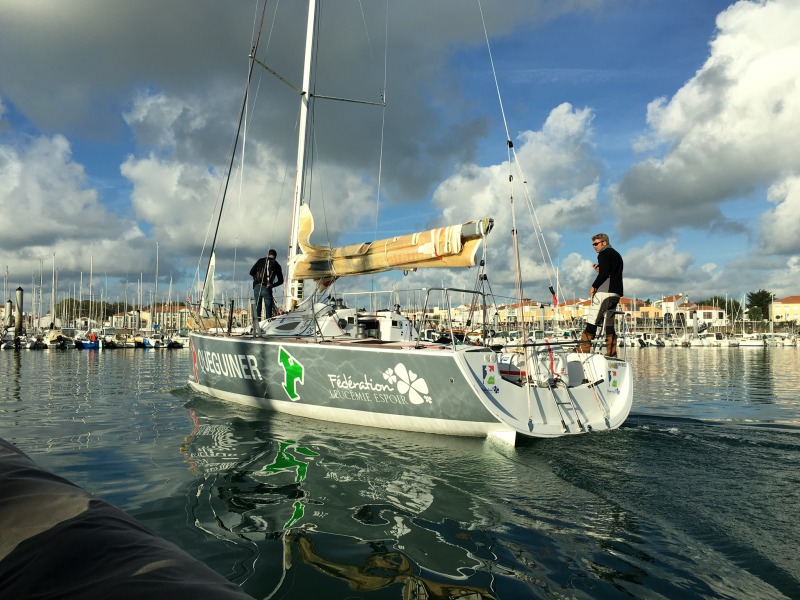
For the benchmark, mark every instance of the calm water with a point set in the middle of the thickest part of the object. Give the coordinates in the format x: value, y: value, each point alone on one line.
x: 696, y: 496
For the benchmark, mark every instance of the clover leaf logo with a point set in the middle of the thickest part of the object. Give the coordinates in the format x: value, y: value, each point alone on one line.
x: 389, y: 376
x: 409, y: 383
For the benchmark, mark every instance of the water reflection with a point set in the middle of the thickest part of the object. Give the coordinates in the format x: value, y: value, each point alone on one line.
x: 15, y: 387
x: 401, y: 515
x: 382, y: 568
x: 311, y: 487
x: 673, y: 503
x: 731, y: 384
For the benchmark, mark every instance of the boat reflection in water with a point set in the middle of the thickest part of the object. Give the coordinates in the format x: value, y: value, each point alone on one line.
x: 316, y: 510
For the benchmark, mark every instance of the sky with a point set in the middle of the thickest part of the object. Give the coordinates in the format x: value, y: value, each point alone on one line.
x: 670, y: 125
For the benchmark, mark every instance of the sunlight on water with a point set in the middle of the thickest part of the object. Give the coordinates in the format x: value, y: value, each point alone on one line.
x: 726, y: 384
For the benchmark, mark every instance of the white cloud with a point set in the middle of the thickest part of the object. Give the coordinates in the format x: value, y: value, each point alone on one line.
x: 559, y: 172
x: 658, y: 261
x: 156, y: 119
x: 50, y: 213
x: 45, y: 200
x: 179, y: 197
x: 778, y: 234
x: 714, y: 145
x: 732, y: 128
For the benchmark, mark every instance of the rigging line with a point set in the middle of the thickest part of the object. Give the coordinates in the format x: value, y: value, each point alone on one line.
x: 481, y: 285
x: 544, y: 252
x: 272, y: 26
x: 510, y: 146
x: 383, y: 117
x: 366, y: 30
x: 473, y: 303
x: 314, y: 156
x: 208, y: 229
x: 543, y: 249
x: 297, y: 120
x: 239, y: 195
x: 248, y: 115
x: 383, y: 123
x: 278, y: 76
x: 526, y: 355
x: 238, y: 130
x: 286, y: 170
x: 266, y: 51
x: 351, y: 100
x: 494, y: 71
x: 478, y: 287
x: 493, y: 297
x: 515, y: 247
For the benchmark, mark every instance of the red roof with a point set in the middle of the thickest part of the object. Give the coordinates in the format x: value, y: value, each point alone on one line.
x: 570, y: 302
x: 790, y: 300
x: 526, y: 303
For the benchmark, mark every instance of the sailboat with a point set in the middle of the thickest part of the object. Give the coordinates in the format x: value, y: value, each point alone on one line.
x: 324, y: 360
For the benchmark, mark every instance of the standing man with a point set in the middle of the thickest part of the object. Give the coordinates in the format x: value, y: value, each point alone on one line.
x: 605, y: 293
x: 266, y: 274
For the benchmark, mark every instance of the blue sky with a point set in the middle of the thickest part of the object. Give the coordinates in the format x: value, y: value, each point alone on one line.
x: 670, y: 125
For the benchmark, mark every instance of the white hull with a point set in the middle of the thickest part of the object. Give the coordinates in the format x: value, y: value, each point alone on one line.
x: 461, y: 391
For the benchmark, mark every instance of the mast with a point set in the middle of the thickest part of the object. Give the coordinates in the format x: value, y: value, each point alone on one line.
x: 170, y: 319
x: 154, y: 319
x: 41, y: 296
x: 125, y: 314
x: 295, y: 295
x: 53, y: 294
x: 91, y: 305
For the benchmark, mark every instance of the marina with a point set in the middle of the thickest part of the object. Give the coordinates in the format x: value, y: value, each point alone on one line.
x: 80, y: 325
x: 309, y: 300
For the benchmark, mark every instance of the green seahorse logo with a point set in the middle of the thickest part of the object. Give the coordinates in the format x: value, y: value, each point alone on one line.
x: 292, y: 373
x: 286, y: 461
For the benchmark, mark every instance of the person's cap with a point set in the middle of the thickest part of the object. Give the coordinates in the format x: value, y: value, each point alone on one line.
x: 272, y: 253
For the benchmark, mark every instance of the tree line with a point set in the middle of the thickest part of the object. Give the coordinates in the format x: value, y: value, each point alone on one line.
x: 70, y: 308
x: 757, y: 305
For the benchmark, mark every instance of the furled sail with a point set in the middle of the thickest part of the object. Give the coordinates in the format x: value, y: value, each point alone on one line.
x: 206, y: 319
x: 443, y: 247
x: 207, y: 301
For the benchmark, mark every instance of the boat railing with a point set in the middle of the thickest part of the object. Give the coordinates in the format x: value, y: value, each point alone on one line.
x: 452, y: 335
x: 535, y: 344
x: 372, y: 296
x: 214, y: 321
x: 623, y: 334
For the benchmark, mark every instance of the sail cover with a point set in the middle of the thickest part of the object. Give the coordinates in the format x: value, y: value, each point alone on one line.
x: 443, y: 247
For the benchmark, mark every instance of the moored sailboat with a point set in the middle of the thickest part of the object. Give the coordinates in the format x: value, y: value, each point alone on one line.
x: 327, y: 361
